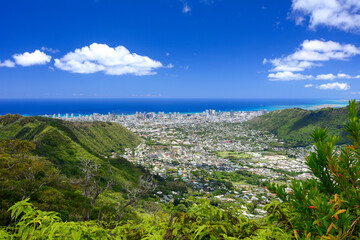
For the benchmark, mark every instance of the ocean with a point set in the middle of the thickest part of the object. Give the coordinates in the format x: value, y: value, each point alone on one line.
x: 34, y: 107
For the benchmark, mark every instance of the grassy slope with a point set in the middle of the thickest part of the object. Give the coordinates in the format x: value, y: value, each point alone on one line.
x: 295, y: 125
x: 65, y: 142
x: 110, y: 137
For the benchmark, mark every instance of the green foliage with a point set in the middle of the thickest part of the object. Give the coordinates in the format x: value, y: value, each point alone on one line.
x: 176, y: 186
x: 328, y: 205
x: 201, y: 221
x: 325, y: 207
x: 296, y: 125
x: 237, y: 176
x: 31, y: 223
x: 104, y: 138
x: 38, y: 156
x: 23, y: 175
x: 233, y: 155
x: 64, y: 143
x: 9, y: 118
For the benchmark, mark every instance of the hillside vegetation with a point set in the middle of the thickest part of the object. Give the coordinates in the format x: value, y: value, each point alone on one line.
x: 65, y: 143
x: 50, y: 206
x: 64, y: 166
x: 323, y: 207
x: 295, y: 125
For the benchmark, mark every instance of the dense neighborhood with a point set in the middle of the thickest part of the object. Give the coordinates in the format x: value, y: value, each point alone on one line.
x: 213, y: 153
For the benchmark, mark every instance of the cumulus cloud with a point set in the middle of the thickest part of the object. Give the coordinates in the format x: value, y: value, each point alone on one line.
x: 329, y: 76
x: 7, y: 63
x: 308, y: 85
x: 345, y: 76
x: 311, y: 53
x: 286, y: 65
x: 35, y: 58
x: 288, y: 76
x: 341, y: 14
x: 334, y: 86
x: 111, y: 61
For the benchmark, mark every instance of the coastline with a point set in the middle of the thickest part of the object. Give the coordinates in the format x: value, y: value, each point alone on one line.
x: 325, y: 106
x: 43, y: 107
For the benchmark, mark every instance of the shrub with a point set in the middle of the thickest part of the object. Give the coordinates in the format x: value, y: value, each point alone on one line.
x: 326, y: 206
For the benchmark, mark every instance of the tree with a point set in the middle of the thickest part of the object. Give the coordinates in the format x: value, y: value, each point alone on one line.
x: 134, y: 193
x: 176, y: 186
x: 91, y: 182
x: 326, y: 206
x: 22, y: 174
x: 22, y: 171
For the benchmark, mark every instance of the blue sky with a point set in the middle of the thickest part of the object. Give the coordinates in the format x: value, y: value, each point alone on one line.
x: 180, y: 49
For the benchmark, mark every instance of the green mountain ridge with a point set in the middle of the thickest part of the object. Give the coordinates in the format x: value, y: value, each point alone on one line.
x: 64, y: 143
x: 294, y: 126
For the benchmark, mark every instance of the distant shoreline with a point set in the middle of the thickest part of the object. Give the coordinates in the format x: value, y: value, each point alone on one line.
x: 131, y: 106
x: 325, y: 106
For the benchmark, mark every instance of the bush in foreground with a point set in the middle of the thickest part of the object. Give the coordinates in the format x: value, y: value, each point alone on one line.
x: 326, y: 207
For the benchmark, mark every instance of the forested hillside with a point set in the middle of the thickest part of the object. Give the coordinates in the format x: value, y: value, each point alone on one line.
x: 64, y: 143
x: 295, y: 125
x: 48, y: 160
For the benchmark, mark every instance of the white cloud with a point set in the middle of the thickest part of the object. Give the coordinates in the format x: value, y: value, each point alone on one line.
x: 7, y: 63
x: 111, y: 61
x: 345, y: 76
x: 308, y: 85
x: 341, y: 14
x: 170, y: 66
x: 35, y: 58
x: 334, y: 86
x: 311, y: 53
x: 289, y: 65
x: 329, y: 76
x: 288, y: 76
x: 186, y: 8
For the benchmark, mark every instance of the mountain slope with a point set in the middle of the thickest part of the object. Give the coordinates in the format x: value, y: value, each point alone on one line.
x: 65, y: 143
x: 295, y: 125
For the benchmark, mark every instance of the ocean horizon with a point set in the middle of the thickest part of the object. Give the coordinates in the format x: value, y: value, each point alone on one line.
x: 35, y: 107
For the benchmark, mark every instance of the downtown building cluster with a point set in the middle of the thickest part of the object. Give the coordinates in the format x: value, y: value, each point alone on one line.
x: 163, y: 118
